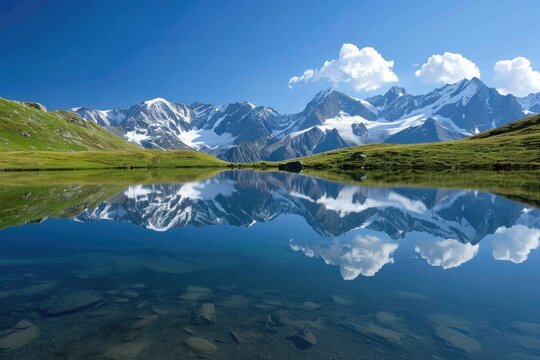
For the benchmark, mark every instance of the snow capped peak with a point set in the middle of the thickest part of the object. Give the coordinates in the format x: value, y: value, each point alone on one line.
x: 155, y: 101
x: 322, y: 95
x: 396, y: 91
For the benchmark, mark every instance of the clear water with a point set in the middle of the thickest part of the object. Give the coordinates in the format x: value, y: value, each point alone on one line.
x: 287, y: 267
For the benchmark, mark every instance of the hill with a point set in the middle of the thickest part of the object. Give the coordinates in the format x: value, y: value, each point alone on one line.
x: 511, y: 146
x: 28, y: 126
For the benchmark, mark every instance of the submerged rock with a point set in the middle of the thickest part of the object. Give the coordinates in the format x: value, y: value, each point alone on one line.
x: 308, y: 305
x: 409, y: 295
x: 235, y: 301
x: 341, y: 300
x: 145, y: 321
x: 29, y: 290
x: 387, y: 318
x: 21, y: 334
x: 70, y: 303
x: 235, y: 337
x: 528, y: 342
x: 206, y: 314
x: 376, y: 332
x: 188, y: 330
x: 138, y: 286
x: 450, y: 321
x: 304, y: 339
x: 195, y: 293
x: 457, y: 340
x: 125, y: 351
x: 200, y: 346
x: 130, y: 294
x: 531, y: 328
x: 159, y: 311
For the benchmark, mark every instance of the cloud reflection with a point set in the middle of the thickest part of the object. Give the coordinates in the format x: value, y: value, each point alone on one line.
x: 362, y: 255
x: 447, y: 253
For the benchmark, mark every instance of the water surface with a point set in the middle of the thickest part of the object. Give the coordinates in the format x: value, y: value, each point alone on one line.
x: 266, y: 265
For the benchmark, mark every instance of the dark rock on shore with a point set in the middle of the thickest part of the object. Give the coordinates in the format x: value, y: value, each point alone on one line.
x: 292, y: 166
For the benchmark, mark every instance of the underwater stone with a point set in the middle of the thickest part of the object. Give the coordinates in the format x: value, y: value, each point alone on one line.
x: 21, y: 334
x: 458, y: 340
x: 308, y: 305
x: 70, y: 303
x: 125, y: 351
x: 205, y: 314
x: 304, y: 339
x: 199, y: 345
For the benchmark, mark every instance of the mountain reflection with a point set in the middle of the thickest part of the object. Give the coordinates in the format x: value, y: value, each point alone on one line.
x: 359, y: 228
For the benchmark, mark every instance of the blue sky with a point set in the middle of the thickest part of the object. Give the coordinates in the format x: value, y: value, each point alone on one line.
x: 116, y: 53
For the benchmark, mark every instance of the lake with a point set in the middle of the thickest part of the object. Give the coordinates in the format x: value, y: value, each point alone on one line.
x: 271, y: 265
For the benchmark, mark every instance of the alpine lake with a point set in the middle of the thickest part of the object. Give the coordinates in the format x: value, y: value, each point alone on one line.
x: 242, y: 264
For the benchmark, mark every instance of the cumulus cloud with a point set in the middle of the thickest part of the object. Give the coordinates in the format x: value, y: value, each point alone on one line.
x: 516, y: 77
x: 514, y: 243
x: 365, y: 69
x: 447, y: 253
x: 364, y: 255
x: 447, y: 68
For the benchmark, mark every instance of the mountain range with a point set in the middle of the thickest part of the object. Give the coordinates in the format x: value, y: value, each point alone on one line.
x: 243, y: 132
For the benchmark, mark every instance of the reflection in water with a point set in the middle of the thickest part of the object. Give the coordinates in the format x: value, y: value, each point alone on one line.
x: 251, y: 265
x: 447, y: 253
x: 453, y: 222
x: 514, y: 243
x: 363, y: 254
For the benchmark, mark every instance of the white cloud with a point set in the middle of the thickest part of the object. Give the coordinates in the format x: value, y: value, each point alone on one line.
x: 516, y: 77
x: 447, y: 253
x: 365, y: 69
x: 447, y: 68
x: 364, y: 255
x: 514, y: 243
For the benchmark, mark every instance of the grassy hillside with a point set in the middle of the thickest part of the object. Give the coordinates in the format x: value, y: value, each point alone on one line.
x: 24, y: 127
x: 118, y: 159
x: 515, y: 145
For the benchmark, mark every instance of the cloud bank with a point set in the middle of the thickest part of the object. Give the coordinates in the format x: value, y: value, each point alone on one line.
x: 516, y: 77
x: 365, y: 69
x: 447, y: 68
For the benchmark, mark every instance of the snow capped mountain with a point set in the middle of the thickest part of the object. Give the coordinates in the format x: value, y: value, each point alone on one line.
x: 530, y: 103
x: 243, y: 132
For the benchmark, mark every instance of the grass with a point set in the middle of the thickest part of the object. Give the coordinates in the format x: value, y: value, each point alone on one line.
x: 63, y: 141
x: 513, y: 146
x: 118, y: 159
x: 106, y: 177
x: 26, y: 128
